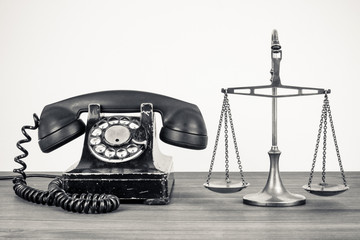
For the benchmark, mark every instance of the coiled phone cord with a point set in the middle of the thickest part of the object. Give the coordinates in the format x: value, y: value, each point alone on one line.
x: 56, y: 195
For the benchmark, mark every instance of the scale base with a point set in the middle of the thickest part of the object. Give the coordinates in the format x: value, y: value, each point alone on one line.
x: 274, y: 193
x: 265, y: 199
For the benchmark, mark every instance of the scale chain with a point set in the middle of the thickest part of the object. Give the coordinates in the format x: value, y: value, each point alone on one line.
x: 227, y: 177
x: 326, y: 103
x: 317, y: 144
x: 216, y: 140
x: 226, y: 116
x: 336, y: 146
x: 326, y: 113
x: 235, y: 142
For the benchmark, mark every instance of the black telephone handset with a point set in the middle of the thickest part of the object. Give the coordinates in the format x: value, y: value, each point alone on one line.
x: 183, y: 124
x: 120, y: 156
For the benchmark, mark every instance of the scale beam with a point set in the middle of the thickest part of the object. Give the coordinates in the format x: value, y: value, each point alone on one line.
x: 258, y: 91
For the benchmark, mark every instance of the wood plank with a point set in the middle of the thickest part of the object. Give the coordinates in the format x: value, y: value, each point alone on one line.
x: 194, y: 213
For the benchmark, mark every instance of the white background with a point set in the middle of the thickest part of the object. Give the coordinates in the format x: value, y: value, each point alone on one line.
x: 52, y: 50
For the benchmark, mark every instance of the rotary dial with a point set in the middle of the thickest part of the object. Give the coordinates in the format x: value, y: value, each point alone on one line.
x: 117, y: 139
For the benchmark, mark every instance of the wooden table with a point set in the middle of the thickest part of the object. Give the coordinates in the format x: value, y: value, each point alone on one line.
x: 194, y: 213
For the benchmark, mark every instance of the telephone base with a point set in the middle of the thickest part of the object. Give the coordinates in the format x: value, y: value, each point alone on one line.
x: 149, y: 188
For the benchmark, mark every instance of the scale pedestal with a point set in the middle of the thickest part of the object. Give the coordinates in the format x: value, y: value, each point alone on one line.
x: 274, y: 193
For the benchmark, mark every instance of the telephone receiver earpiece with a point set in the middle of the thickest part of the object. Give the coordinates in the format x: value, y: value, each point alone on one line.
x: 183, y: 124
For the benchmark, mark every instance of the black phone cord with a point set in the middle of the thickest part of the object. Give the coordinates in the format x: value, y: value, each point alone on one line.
x: 56, y: 195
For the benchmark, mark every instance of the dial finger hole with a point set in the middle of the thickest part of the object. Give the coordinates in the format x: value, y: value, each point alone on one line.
x: 134, y: 125
x: 97, y: 132
x: 124, y: 121
x: 110, y: 152
x: 103, y: 124
x: 121, y: 153
x: 132, y: 148
x: 100, y: 148
x: 139, y: 142
x: 95, y: 141
x: 113, y: 120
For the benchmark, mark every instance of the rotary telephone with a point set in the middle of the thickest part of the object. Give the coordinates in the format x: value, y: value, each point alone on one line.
x: 120, y: 157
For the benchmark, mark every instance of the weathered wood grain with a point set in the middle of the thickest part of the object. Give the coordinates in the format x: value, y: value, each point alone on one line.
x: 194, y: 213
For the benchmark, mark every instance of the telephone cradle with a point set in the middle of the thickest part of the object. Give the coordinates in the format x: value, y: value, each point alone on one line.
x: 120, y: 160
x: 141, y: 172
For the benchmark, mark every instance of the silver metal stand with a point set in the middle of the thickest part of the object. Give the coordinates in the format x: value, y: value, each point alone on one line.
x: 274, y: 193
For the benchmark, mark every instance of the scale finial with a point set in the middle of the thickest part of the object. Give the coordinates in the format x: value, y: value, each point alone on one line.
x: 276, y: 55
x: 275, y: 44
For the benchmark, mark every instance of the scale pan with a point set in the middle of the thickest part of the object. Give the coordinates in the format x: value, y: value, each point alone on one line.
x: 326, y: 189
x: 225, y: 187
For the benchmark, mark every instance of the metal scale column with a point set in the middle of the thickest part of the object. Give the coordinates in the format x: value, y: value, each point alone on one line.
x: 274, y: 193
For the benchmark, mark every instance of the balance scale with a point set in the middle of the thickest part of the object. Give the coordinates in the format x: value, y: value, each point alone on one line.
x: 274, y: 194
